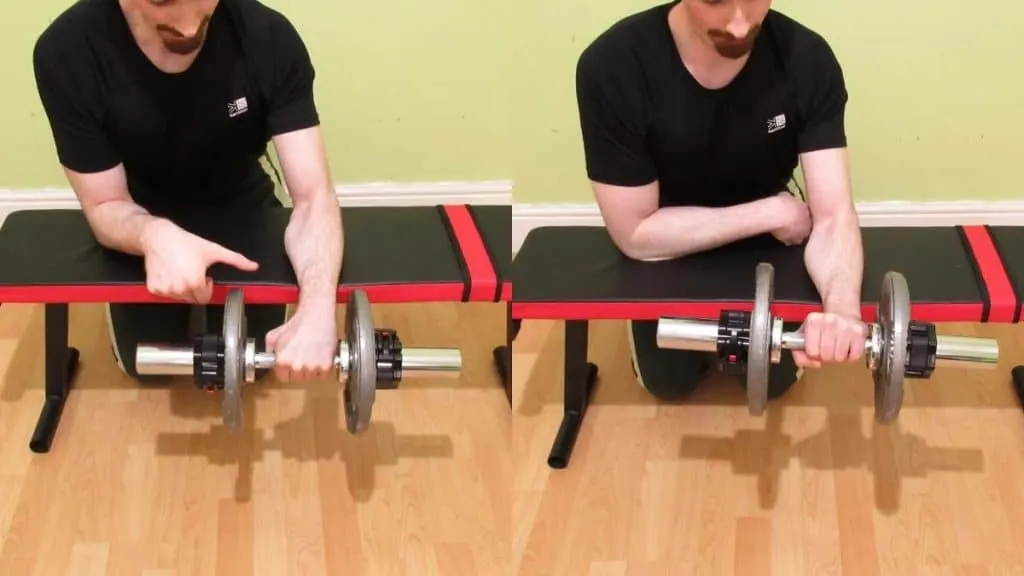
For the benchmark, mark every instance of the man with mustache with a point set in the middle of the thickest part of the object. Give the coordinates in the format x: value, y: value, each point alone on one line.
x: 694, y: 116
x: 159, y: 107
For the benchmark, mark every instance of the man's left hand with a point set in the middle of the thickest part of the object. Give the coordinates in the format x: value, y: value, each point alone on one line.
x: 304, y: 347
x: 830, y: 337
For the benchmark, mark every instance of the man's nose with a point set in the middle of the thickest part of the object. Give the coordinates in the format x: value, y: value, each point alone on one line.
x: 739, y: 25
x: 190, y: 28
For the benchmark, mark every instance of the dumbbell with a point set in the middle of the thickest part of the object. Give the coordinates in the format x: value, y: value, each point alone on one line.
x: 368, y: 359
x: 896, y: 347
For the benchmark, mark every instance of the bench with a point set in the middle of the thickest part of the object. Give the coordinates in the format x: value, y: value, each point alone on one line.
x: 454, y: 253
x: 576, y: 274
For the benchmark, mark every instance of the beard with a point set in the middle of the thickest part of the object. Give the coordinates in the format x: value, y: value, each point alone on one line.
x: 177, y: 43
x: 731, y: 47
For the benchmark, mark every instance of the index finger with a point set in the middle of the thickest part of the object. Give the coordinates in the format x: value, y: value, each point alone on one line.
x: 232, y: 258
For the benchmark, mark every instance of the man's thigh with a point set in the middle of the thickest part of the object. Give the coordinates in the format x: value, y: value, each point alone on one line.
x: 177, y: 324
x: 666, y: 374
x: 133, y: 324
x: 674, y: 374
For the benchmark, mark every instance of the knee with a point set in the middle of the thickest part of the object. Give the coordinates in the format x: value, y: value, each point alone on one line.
x: 144, y: 380
x: 676, y: 390
x: 262, y: 374
x: 670, y: 381
x: 781, y: 378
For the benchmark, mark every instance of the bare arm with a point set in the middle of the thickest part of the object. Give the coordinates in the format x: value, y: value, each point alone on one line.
x: 313, y: 239
x: 834, y: 255
x: 642, y: 231
x: 115, y: 219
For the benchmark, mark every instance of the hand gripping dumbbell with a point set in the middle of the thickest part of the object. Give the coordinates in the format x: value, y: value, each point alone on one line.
x: 896, y: 347
x: 368, y: 359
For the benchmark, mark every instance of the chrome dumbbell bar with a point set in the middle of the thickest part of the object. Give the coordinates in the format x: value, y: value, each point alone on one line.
x: 896, y: 347
x: 368, y: 359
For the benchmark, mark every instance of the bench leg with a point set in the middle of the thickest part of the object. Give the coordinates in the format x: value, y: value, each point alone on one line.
x: 1017, y: 375
x: 61, y: 363
x: 503, y: 354
x: 579, y: 379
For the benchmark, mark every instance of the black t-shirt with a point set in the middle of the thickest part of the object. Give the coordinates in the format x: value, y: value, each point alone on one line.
x: 644, y: 117
x: 194, y: 138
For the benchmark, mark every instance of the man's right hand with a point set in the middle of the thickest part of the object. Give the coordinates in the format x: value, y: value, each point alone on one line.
x: 177, y: 262
x: 795, y: 220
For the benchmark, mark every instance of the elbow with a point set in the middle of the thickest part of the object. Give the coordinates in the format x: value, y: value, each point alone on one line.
x: 625, y: 239
x: 634, y: 247
x: 840, y: 219
x: 632, y: 252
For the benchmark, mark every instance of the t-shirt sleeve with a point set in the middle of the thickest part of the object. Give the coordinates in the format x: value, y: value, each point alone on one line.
x: 292, y: 105
x: 823, y: 97
x: 71, y: 106
x: 611, y: 122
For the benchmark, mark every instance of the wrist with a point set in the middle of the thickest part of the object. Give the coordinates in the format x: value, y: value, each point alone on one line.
x: 150, y: 232
x: 777, y: 211
x: 317, y: 302
x: 843, y: 306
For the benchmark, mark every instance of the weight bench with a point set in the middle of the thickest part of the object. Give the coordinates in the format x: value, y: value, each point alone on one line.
x: 576, y: 274
x: 451, y: 253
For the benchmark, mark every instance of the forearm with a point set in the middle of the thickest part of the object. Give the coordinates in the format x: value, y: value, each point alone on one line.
x: 679, y: 231
x: 122, y: 225
x: 834, y: 257
x: 314, y: 244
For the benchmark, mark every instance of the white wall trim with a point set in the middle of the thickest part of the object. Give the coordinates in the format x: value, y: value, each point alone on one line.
x: 487, y: 192
x: 526, y: 217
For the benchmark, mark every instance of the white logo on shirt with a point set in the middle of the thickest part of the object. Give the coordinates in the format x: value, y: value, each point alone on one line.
x: 776, y: 123
x: 237, y: 107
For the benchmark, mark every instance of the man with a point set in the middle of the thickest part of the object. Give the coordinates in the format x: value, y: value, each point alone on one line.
x: 164, y: 106
x: 694, y: 116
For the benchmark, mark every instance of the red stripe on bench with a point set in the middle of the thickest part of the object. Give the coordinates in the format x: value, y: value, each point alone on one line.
x: 790, y: 312
x: 1002, y: 299
x: 483, y: 280
x: 400, y: 293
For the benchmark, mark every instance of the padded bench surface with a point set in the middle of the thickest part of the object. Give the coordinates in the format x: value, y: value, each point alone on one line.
x: 395, y: 254
x: 954, y: 274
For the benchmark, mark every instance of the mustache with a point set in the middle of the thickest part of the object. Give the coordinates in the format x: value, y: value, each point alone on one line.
x: 723, y: 35
x: 178, y: 34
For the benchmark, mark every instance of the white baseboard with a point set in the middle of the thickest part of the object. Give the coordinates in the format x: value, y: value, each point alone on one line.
x: 526, y: 217
x: 489, y: 192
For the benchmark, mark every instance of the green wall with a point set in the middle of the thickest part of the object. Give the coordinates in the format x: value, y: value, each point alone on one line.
x: 968, y: 58
x: 418, y: 97
x: 483, y: 89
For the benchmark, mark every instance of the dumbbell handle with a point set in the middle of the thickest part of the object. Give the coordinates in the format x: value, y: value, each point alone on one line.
x: 166, y: 360
x: 426, y: 360
x: 962, y: 351
x: 702, y: 335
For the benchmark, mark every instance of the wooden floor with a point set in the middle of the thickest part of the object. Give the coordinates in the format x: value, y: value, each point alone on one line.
x: 813, y: 488
x: 147, y: 482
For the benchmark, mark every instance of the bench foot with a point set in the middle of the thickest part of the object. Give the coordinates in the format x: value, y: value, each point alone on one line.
x: 59, y: 372
x: 1017, y: 375
x: 503, y: 359
x: 579, y: 380
x: 503, y: 354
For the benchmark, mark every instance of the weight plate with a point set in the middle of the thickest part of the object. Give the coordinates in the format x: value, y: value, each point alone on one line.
x: 234, y: 357
x: 758, y: 360
x: 893, y: 319
x: 360, y: 387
